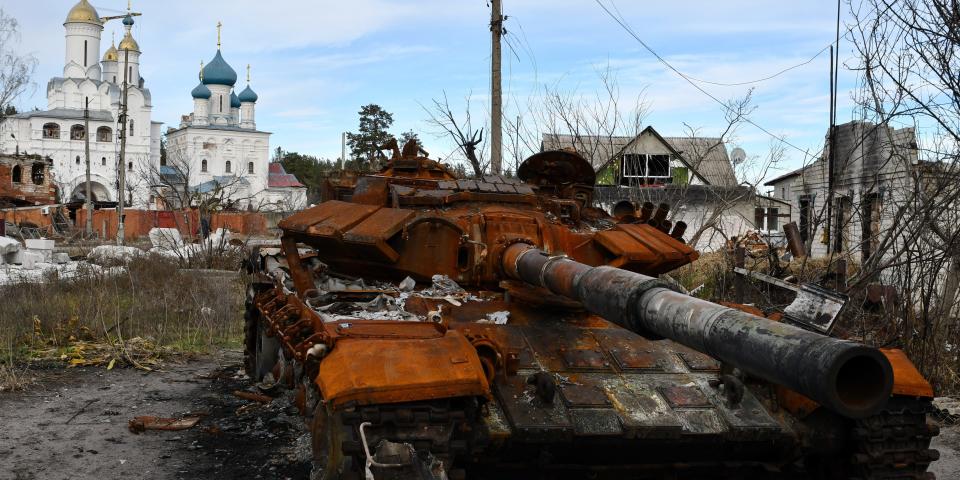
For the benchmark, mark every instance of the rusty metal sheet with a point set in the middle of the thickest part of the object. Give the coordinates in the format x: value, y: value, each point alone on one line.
x: 590, y: 360
x: 638, y: 360
x: 684, y: 396
x: 699, y: 362
x: 341, y: 219
x: 376, y: 229
x: 401, y: 370
x: 486, y: 187
x: 584, y: 396
x: 466, y: 185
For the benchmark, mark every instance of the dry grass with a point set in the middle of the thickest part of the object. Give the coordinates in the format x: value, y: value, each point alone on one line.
x: 152, y: 310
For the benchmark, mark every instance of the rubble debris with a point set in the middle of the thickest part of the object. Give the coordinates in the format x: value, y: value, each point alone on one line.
x: 8, y: 246
x: 497, y: 318
x: 407, y: 285
x: 253, y: 397
x: 106, y: 255
x: 143, y: 423
x: 947, y: 410
x: 165, y: 238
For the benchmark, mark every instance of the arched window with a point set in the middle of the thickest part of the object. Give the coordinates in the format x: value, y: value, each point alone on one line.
x: 131, y: 127
x: 221, y: 103
x: 78, y: 160
x: 104, y: 134
x: 250, y: 167
x: 227, y: 166
x: 103, y: 161
x: 203, y: 166
x: 77, y: 132
x: 85, y: 54
x: 51, y: 130
x: 36, y: 173
x: 17, y: 174
x: 130, y: 166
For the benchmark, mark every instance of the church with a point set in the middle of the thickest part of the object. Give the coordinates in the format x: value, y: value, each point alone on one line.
x: 217, y: 149
x: 59, y: 133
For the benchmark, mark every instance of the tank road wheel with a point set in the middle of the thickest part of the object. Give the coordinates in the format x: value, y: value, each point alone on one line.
x: 893, y: 444
x: 261, y: 351
x: 327, y: 434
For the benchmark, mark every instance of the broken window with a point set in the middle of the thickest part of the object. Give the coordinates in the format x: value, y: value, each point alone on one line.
x: 766, y: 218
x: 658, y: 165
x: 644, y: 169
x: 51, y: 130
x: 37, y: 174
x: 104, y: 134
x: 870, y: 213
x: 77, y: 132
x: 17, y: 174
x: 227, y: 166
x: 842, y: 221
x: 203, y: 165
x: 806, y: 213
x: 773, y: 219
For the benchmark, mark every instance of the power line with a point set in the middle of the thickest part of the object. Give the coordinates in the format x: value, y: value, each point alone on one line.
x: 692, y: 82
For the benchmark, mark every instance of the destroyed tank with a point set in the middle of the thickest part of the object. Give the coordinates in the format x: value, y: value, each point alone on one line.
x: 434, y: 327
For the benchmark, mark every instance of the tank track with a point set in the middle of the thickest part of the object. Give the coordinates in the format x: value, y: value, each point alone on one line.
x: 895, y: 444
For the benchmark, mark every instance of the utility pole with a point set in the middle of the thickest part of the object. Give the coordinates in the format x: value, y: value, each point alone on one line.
x: 86, y: 148
x: 123, y: 149
x: 343, y: 150
x: 496, y: 102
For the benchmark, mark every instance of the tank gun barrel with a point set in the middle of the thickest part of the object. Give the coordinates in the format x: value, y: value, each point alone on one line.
x: 847, y: 377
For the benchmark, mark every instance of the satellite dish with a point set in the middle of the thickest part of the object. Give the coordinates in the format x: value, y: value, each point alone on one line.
x: 738, y: 156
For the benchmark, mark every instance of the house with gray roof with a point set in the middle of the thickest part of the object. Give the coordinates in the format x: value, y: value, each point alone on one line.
x: 693, y: 175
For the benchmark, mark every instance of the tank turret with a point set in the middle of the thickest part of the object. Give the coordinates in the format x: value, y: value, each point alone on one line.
x: 506, y: 327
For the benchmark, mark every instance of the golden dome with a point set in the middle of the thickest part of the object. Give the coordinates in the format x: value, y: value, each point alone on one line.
x: 83, y: 12
x: 128, y: 43
x: 111, y: 54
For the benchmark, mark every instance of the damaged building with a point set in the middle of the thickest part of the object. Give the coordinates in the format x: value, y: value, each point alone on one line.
x: 872, y: 177
x: 25, y: 181
x: 694, y: 176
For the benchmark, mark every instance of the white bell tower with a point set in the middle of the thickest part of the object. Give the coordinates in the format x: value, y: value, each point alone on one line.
x: 83, y: 29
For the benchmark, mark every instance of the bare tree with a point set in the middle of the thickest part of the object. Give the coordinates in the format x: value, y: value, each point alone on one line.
x: 15, y: 69
x: 461, y: 131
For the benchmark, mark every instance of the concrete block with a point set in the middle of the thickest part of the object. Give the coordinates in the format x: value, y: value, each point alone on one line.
x: 165, y: 238
x: 61, y: 258
x: 31, y: 259
x: 14, y: 258
x: 8, y: 245
x: 40, y: 244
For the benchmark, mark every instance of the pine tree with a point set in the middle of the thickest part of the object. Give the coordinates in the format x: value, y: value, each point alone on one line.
x: 372, y: 133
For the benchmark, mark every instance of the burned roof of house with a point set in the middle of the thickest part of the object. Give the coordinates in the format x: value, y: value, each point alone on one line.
x: 707, y: 156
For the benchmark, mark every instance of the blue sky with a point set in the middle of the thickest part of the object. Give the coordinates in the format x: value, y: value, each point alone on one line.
x: 315, y: 63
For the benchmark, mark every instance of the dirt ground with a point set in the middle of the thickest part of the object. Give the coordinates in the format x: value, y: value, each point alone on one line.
x: 74, y: 425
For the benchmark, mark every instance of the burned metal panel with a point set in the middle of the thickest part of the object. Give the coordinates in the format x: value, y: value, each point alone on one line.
x: 643, y: 412
x: 531, y: 418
